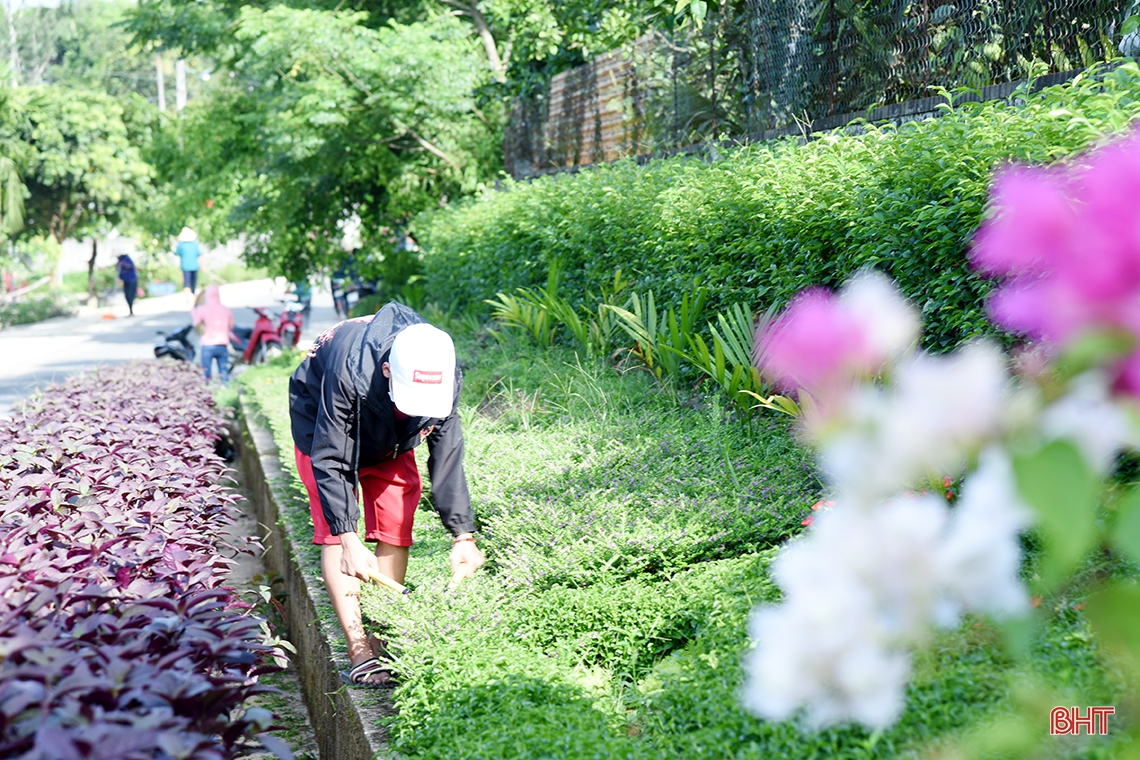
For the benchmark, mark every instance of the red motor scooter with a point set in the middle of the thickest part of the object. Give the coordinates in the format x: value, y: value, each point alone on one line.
x: 290, y: 323
x: 257, y: 344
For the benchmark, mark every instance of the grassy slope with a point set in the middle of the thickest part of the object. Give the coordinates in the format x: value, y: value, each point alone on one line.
x: 628, y: 540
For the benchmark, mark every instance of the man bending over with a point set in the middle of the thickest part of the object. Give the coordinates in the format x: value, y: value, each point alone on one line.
x: 369, y: 392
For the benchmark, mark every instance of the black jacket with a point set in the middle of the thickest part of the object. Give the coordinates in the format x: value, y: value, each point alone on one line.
x: 343, y: 418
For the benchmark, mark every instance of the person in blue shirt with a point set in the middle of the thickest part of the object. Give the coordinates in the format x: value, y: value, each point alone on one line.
x: 188, y: 252
x: 130, y: 277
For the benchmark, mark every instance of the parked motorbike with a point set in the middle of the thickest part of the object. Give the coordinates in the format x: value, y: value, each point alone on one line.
x: 347, y: 293
x: 175, y: 345
x: 290, y: 323
x: 257, y: 344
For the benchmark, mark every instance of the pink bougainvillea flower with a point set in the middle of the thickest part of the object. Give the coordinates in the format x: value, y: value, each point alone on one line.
x: 812, y: 341
x: 822, y: 341
x: 1067, y: 239
x: 1128, y: 376
x: 1033, y: 218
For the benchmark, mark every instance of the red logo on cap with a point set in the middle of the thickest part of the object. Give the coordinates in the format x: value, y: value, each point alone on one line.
x: 423, y: 376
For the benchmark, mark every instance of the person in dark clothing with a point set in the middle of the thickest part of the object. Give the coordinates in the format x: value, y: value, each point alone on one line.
x: 369, y: 392
x: 130, y: 277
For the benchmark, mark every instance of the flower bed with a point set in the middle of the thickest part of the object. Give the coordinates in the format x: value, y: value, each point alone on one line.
x: 117, y: 638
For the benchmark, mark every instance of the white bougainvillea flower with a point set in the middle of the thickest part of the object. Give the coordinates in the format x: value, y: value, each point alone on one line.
x: 865, y: 586
x: 857, y: 589
x: 889, y: 323
x: 979, y: 558
x: 1090, y: 417
x: 939, y: 411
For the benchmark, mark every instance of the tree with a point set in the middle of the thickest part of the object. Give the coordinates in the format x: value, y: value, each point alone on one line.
x: 81, y: 44
x: 326, y: 119
x: 11, y: 197
x: 11, y: 185
x: 528, y: 41
x: 327, y: 112
x: 82, y: 166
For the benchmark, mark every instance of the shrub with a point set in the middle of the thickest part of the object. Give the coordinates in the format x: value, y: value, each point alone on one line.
x: 76, y: 282
x: 34, y: 307
x: 765, y: 221
x: 367, y: 305
x: 118, y: 639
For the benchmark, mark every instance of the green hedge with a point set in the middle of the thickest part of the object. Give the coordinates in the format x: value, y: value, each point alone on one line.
x: 764, y: 221
x: 76, y: 282
x: 35, y: 307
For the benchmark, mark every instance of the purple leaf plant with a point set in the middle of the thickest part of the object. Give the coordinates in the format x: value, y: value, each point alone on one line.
x: 118, y: 638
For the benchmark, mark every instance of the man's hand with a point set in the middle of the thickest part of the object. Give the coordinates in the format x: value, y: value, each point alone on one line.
x: 355, y: 559
x: 465, y: 557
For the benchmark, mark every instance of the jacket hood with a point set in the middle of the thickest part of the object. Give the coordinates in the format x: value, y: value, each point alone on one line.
x: 212, y: 307
x: 213, y: 296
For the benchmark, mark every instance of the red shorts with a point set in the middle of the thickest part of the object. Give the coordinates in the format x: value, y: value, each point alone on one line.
x: 391, y: 494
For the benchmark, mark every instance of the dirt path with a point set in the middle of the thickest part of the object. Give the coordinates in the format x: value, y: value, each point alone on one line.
x: 249, y: 573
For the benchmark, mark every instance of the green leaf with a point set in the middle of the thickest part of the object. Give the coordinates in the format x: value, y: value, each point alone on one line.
x: 1094, y: 349
x: 1129, y: 26
x: 1058, y: 484
x: 1115, y: 615
x: 1126, y: 537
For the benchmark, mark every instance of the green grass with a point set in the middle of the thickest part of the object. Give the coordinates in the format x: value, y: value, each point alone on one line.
x: 76, y: 282
x: 628, y: 540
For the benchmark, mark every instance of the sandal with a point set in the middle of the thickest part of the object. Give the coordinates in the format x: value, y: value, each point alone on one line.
x: 362, y: 674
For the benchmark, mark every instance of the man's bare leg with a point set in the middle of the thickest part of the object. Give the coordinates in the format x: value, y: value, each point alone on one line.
x: 393, y: 560
x: 344, y: 593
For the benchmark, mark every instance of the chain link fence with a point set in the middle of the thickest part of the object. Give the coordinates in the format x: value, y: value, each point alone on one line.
x: 761, y: 68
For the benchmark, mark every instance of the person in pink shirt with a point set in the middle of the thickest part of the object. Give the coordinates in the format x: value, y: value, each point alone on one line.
x: 216, y: 323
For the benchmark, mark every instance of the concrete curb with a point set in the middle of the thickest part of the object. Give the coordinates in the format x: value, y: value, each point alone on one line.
x: 346, y: 721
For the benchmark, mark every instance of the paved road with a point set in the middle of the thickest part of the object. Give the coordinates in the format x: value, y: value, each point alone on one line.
x: 33, y: 356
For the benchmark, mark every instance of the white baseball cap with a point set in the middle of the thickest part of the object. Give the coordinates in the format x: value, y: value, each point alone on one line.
x: 422, y: 362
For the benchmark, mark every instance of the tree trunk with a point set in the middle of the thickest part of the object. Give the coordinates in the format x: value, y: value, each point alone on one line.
x: 179, y: 85
x: 92, y: 296
x: 498, y: 65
